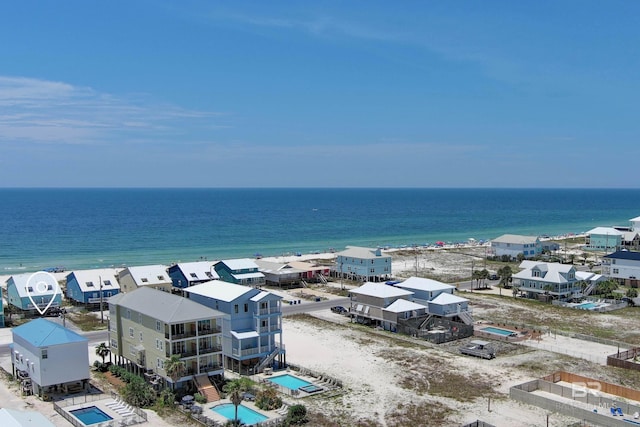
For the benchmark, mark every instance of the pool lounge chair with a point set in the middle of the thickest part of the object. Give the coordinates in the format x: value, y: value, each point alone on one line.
x: 116, y: 402
x: 613, y: 411
x: 619, y: 411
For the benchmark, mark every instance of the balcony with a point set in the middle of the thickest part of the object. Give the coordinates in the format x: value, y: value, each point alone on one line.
x: 209, y: 368
x: 251, y: 351
x: 206, y: 330
x: 210, y: 349
x: 181, y: 336
x: 269, y: 311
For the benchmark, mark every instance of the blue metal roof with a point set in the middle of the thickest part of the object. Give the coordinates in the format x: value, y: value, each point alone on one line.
x: 635, y: 256
x: 42, y: 333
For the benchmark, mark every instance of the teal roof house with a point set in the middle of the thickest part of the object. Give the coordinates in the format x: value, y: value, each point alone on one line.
x: 252, y: 328
x: 603, y: 239
x: 50, y: 355
x: 240, y: 271
x: 23, y: 292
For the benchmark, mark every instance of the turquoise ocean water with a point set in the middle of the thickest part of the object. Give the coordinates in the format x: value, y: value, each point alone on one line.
x: 89, y: 228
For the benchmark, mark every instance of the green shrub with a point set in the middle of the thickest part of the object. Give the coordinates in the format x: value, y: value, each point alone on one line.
x: 268, y: 399
x: 297, y: 415
x: 199, y: 398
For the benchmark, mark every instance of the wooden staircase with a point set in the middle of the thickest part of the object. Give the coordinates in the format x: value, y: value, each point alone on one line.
x: 205, y: 388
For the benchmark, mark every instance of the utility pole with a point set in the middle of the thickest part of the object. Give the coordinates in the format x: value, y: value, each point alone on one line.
x: 101, y: 312
x: 416, y: 253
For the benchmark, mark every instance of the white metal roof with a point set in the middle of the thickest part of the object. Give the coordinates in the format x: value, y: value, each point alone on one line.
x: 254, y: 275
x: 261, y: 295
x: 245, y: 335
x: 21, y: 280
x: 201, y: 269
x: 362, y: 253
x: 146, y: 275
x: 515, y: 239
x: 89, y: 280
x: 555, y: 272
x: 380, y: 290
x: 605, y: 230
x: 402, y: 305
x: 240, y: 264
x: 15, y: 418
x: 423, y: 284
x: 220, y: 290
x: 446, y: 299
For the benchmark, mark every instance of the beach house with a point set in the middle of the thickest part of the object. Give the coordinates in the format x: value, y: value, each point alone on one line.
x: 279, y: 274
x: 242, y: 271
x: 512, y: 244
x: 152, y: 276
x: 148, y: 326
x: 603, y: 239
x: 623, y: 267
x: 252, y: 328
x: 29, y: 293
x: 92, y: 286
x: 49, y: 357
x: 631, y: 236
x: 451, y: 306
x: 185, y: 274
x: 424, y: 290
x: 545, y: 279
x: 369, y: 302
x: 312, y: 271
x: 362, y: 264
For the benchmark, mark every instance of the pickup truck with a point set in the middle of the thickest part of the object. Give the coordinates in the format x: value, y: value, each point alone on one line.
x: 479, y: 349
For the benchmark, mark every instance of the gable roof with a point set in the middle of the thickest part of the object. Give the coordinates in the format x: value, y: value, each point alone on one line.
x: 362, y: 253
x: 308, y: 266
x: 605, y: 230
x: 516, y: 239
x: 446, y: 299
x: 14, y: 418
x: 42, y: 333
x: 148, y: 275
x: 221, y: 290
x: 380, y: 290
x: 198, y: 270
x: 555, y: 272
x: 402, y: 305
x: 276, y: 267
x: 239, y: 264
x: 89, y: 280
x: 163, y: 306
x: 423, y: 284
x: 630, y: 255
x: 20, y: 282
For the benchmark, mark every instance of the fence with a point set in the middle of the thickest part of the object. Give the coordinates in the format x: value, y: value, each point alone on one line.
x: 478, y: 423
x: 437, y: 330
x: 622, y: 359
x: 140, y: 415
x: 585, y: 399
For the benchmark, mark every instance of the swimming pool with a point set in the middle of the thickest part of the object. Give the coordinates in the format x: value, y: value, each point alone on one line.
x: 290, y: 381
x: 90, y: 415
x: 587, y: 306
x: 245, y: 415
x: 498, y: 331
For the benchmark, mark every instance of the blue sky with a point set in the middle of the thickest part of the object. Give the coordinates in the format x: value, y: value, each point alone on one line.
x: 319, y: 94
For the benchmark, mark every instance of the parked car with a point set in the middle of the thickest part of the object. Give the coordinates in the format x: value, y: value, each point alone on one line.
x: 339, y: 309
x: 493, y: 276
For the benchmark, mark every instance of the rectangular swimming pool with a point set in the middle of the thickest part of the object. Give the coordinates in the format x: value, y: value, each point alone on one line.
x: 290, y: 381
x: 498, y: 331
x: 246, y: 415
x: 90, y: 415
x: 587, y: 306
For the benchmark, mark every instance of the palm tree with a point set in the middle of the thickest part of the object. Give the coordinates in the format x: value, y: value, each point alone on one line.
x: 515, y: 291
x: 484, y: 275
x: 505, y: 274
x: 235, y: 392
x: 102, y: 351
x: 174, y: 367
x: 476, y: 275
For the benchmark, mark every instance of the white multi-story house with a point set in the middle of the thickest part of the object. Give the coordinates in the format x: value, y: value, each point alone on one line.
x: 53, y: 357
x: 513, y: 244
x: 147, y: 326
x: 622, y: 266
x: 362, y: 264
x: 545, y: 278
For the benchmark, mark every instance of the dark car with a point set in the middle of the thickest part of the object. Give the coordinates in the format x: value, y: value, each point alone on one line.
x: 493, y: 276
x: 339, y: 309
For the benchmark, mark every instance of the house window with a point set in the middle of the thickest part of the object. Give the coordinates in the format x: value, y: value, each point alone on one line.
x: 194, y: 275
x: 95, y: 295
x: 246, y: 307
x: 129, y: 314
x: 536, y: 273
x: 140, y: 318
x: 114, y: 343
x: 141, y: 337
x: 235, y: 308
x: 131, y: 332
x: 44, y: 354
x: 159, y: 345
x: 89, y: 284
x: 264, y: 323
x: 107, y: 282
x: 615, y: 271
x: 160, y: 277
x: 144, y: 280
x: 158, y: 326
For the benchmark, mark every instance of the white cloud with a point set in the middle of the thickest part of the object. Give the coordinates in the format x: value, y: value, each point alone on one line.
x: 42, y: 111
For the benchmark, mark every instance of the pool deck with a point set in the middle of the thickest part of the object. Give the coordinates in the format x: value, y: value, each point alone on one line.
x: 320, y: 382
x: 520, y: 334
x: 119, y: 419
x: 273, y: 416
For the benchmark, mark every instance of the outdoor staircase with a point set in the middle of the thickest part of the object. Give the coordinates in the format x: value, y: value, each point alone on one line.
x: 589, y: 289
x: 205, y: 388
x: 304, y: 284
x: 263, y: 364
x: 322, y: 279
x: 466, y: 317
x: 425, y: 322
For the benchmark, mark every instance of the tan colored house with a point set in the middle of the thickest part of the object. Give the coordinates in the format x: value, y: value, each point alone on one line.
x: 153, y: 276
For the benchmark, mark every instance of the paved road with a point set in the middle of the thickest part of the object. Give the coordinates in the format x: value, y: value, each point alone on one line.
x: 96, y: 337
